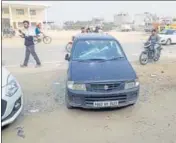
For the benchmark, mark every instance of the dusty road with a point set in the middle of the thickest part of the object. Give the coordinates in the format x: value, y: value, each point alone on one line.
x: 45, y: 118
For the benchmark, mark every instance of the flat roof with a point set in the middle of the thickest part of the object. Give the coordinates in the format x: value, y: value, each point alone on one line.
x: 91, y: 36
x: 29, y: 3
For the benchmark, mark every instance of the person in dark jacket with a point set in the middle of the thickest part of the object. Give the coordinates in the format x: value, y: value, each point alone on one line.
x: 28, y: 34
x: 154, y: 39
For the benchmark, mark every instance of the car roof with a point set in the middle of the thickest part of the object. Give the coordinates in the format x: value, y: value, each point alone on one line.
x: 94, y: 36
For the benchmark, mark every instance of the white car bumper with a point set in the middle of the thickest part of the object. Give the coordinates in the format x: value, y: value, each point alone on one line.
x: 11, y: 107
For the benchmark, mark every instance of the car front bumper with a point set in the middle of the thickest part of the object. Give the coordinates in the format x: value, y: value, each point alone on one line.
x: 85, y: 99
x: 163, y: 41
x: 12, y: 107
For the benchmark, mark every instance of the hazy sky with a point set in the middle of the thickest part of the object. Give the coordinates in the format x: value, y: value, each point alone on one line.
x: 76, y: 10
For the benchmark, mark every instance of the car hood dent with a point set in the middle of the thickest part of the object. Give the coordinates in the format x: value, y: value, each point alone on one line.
x: 102, y: 71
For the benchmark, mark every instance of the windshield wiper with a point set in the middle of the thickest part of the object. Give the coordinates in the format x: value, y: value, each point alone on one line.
x: 96, y: 59
x: 115, y: 58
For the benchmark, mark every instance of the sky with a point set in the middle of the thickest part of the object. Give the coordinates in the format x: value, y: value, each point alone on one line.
x: 61, y: 11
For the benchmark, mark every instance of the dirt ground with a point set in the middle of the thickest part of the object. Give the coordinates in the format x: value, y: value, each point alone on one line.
x: 45, y: 118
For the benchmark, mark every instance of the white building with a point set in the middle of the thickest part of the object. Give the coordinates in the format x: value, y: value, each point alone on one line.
x: 15, y: 12
x: 143, y: 18
x: 122, y: 18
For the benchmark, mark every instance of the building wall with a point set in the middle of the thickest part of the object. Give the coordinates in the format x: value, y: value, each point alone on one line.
x: 139, y: 19
x: 40, y: 15
x: 16, y: 19
x: 5, y: 12
x: 122, y: 18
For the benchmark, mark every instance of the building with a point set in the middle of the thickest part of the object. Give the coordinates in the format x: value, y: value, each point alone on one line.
x: 97, y: 21
x: 122, y: 18
x: 139, y: 19
x: 14, y: 13
x: 166, y: 20
x: 143, y: 18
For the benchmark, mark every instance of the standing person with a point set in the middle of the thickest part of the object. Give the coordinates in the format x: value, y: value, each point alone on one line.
x: 87, y: 30
x: 83, y: 30
x: 97, y: 29
x: 28, y: 34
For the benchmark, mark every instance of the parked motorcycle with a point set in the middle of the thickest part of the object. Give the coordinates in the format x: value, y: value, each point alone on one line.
x: 69, y: 45
x: 7, y: 33
x: 148, y: 53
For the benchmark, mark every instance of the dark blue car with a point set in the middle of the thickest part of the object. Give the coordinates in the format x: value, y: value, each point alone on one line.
x: 99, y: 74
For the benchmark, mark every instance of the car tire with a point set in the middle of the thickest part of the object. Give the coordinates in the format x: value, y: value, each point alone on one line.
x: 168, y: 42
x: 133, y: 104
x: 67, y: 103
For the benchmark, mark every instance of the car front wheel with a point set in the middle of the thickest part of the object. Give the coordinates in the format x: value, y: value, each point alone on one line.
x: 168, y: 42
x: 67, y: 103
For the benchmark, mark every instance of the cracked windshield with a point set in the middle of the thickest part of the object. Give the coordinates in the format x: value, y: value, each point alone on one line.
x: 97, y: 49
x: 88, y: 71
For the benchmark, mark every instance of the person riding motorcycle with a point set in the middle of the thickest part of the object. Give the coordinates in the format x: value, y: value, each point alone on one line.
x: 88, y: 30
x: 97, y: 29
x: 38, y: 31
x: 154, y: 39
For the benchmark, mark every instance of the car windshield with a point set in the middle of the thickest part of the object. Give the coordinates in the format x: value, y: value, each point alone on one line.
x: 167, y: 32
x: 97, y: 50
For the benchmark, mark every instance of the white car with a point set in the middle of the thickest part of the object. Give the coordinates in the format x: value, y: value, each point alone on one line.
x: 168, y: 37
x: 11, y: 99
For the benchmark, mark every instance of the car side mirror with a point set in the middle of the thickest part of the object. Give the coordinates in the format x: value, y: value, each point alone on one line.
x: 67, y: 57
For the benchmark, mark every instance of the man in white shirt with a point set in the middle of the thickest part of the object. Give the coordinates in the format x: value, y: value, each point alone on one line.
x: 28, y: 34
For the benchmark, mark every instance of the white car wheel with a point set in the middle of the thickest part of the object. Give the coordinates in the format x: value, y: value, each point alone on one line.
x: 168, y: 42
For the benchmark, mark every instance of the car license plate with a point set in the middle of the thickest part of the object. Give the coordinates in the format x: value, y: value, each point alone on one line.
x: 105, y: 103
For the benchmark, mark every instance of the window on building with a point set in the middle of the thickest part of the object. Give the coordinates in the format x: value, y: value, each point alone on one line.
x: 20, y: 24
x: 5, y: 10
x: 32, y: 12
x: 19, y: 11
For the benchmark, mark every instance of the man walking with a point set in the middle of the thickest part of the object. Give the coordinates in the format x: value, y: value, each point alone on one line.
x: 28, y: 34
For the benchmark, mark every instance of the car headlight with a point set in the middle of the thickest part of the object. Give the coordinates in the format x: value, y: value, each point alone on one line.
x: 131, y: 84
x: 11, y: 86
x: 76, y: 86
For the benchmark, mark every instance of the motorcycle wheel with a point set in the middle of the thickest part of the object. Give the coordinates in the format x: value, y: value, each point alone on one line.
x: 143, y: 58
x: 68, y: 47
x: 47, y: 39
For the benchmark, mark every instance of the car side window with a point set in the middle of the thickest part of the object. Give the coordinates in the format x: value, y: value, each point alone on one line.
x: 170, y: 32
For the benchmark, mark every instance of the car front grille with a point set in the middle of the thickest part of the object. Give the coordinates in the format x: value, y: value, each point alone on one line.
x: 121, y: 98
x: 3, y: 107
x: 99, y: 87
